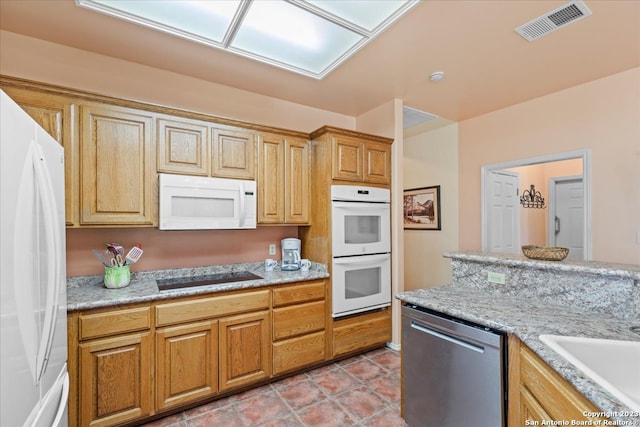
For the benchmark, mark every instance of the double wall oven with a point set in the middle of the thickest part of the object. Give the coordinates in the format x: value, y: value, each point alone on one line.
x: 361, y: 234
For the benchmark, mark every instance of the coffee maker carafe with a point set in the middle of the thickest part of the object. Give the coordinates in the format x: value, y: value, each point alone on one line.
x: 290, y: 254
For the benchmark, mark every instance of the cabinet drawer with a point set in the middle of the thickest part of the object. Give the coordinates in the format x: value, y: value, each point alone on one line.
x: 361, y: 332
x: 299, y: 293
x: 298, y: 352
x: 114, y: 322
x: 205, y: 308
x: 298, y: 319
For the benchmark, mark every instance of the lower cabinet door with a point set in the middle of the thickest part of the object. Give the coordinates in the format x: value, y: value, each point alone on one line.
x: 245, y: 349
x: 186, y: 363
x: 115, y: 380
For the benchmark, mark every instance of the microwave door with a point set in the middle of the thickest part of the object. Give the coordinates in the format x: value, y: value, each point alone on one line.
x: 198, y: 208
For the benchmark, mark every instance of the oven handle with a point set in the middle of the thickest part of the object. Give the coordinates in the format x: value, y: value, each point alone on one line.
x: 361, y: 259
x: 360, y: 206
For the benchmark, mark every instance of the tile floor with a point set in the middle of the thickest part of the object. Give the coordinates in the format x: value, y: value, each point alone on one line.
x: 360, y: 391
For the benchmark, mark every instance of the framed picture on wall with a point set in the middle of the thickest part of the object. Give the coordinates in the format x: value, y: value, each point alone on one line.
x: 422, y: 208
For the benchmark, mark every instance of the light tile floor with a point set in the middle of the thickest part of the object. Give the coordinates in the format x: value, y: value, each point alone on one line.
x: 360, y: 391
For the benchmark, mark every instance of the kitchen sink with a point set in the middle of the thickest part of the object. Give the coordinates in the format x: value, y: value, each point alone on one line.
x: 613, y: 364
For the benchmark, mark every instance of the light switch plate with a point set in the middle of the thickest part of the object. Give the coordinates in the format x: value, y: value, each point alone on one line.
x: 498, y: 278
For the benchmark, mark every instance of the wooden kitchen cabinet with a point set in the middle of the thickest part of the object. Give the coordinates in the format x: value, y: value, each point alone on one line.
x: 537, y: 393
x: 56, y: 115
x: 210, y: 344
x: 117, y: 162
x: 284, y: 180
x: 245, y: 349
x: 355, y: 156
x: 183, y: 146
x: 110, y: 366
x: 233, y: 153
x: 299, y: 326
x: 186, y: 363
x: 361, y: 332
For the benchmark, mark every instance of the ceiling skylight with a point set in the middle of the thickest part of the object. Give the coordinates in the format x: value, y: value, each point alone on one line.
x: 310, y: 37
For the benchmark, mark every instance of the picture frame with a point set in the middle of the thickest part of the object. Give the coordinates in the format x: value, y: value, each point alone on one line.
x: 421, y: 208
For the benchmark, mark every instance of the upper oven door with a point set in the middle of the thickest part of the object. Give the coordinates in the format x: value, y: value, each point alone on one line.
x: 360, y: 228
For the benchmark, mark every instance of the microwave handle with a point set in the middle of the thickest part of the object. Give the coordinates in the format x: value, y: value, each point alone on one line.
x: 361, y: 260
x: 242, y: 206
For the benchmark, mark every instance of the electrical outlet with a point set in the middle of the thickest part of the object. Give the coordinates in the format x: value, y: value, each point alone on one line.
x: 498, y: 278
x: 272, y: 249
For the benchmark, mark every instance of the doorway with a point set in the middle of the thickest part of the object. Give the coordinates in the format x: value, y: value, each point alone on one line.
x: 566, y: 215
x: 488, y: 216
x: 503, y: 227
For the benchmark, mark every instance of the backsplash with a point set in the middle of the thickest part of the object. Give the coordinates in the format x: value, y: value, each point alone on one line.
x: 174, y: 249
x: 612, y: 289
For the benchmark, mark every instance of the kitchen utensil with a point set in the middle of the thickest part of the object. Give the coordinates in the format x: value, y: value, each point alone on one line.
x: 134, y: 255
x: 117, y: 261
x: 102, y: 257
x: 115, y: 249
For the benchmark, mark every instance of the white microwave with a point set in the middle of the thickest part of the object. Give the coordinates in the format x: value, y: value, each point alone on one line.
x: 203, y: 203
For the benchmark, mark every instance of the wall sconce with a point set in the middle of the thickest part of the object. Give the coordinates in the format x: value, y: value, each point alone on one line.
x: 532, y: 198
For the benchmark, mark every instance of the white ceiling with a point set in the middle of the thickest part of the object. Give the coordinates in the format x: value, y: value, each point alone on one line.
x: 488, y: 65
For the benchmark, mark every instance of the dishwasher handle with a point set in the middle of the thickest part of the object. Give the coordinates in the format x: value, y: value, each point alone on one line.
x: 447, y: 337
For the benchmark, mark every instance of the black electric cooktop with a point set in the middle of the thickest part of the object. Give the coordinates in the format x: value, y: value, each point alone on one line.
x: 210, y: 279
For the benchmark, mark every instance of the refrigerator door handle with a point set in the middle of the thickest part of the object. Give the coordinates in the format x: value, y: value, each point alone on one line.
x: 53, y: 406
x: 45, y: 190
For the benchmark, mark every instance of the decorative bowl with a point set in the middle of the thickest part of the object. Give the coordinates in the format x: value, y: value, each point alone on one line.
x: 545, y: 253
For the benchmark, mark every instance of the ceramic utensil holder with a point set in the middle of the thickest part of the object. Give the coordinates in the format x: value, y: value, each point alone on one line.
x: 117, y: 277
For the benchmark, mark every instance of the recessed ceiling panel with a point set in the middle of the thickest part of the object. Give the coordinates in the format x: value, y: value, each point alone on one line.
x: 292, y: 36
x: 310, y: 37
x: 367, y: 14
x: 203, y: 20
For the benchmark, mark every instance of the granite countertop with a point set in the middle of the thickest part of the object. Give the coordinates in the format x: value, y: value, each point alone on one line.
x: 527, y: 318
x: 576, y: 266
x: 88, y: 292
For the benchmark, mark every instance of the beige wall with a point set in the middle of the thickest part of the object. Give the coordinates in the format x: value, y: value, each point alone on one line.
x: 42, y: 61
x: 431, y: 158
x: 602, y: 115
x: 386, y: 120
x: 56, y: 64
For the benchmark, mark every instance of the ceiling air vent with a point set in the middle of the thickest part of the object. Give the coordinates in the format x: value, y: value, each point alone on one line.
x: 554, y: 20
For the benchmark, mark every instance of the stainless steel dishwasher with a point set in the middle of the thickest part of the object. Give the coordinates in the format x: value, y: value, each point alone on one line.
x: 453, y: 372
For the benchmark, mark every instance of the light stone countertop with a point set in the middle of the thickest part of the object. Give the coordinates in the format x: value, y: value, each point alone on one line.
x: 528, y: 319
x: 88, y: 292
x: 576, y: 266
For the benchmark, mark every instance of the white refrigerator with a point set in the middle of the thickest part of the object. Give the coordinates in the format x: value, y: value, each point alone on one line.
x: 33, y: 322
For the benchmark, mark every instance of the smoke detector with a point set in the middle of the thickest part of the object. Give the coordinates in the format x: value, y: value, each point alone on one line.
x: 554, y: 20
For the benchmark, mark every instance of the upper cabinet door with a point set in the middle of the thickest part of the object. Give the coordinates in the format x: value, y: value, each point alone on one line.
x: 297, y: 181
x: 117, y: 166
x: 271, y: 180
x: 56, y: 116
x: 347, y: 158
x: 234, y: 153
x: 377, y: 163
x: 183, y: 146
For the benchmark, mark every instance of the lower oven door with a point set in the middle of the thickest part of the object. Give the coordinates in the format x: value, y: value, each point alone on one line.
x: 360, y: 283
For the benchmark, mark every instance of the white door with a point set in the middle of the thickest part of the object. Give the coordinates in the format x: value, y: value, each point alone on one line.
x: 566, y: 215
x: 503, y: 216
